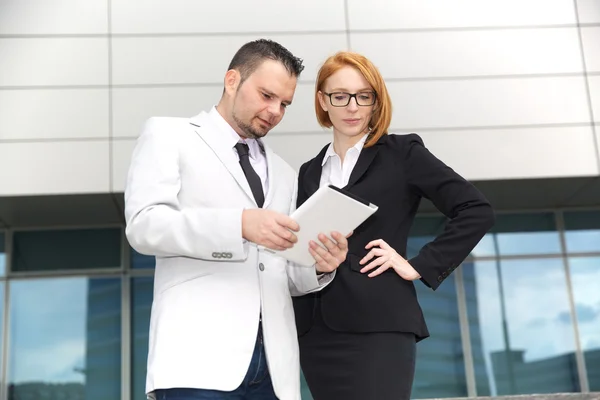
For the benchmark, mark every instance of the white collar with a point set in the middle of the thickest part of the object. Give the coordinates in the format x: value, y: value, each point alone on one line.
x: 331, y: 152
x: 255, y: 145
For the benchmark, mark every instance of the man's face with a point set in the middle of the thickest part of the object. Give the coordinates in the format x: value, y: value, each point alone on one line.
x: 261, y: 100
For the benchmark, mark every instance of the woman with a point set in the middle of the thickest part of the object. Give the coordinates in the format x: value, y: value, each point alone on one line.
x: 358, y: 336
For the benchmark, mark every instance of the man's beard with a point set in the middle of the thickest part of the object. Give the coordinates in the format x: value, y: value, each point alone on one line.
x: 248, y: 129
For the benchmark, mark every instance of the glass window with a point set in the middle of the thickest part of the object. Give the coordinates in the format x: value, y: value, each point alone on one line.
x: 1, y: 319
x: 487, y: 247
x: 304, y: 390
x: 66, y: 249
x: 519, y: 311
x: 585, y: 278
x: 141, y: 303
x: 65, y: 339
x: 141, y: 261
x: 2, y: 254
x: 477, y: 351
x: 522, y: 234
x: 440, y: 370
x: 582, y: 231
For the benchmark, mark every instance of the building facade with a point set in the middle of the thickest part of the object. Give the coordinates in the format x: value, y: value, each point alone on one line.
x: 505, y: 92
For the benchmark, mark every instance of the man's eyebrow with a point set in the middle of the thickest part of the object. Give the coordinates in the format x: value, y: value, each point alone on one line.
x: 267, y: 91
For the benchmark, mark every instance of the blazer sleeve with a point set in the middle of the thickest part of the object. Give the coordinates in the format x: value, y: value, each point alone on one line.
x: 469, y: 212
x: 156, y: 223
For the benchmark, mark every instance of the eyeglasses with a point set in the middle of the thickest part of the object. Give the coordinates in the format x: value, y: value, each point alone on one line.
x: 342, y: 99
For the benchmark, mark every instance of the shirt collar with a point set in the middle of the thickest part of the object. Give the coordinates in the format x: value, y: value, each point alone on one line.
x: 331, y: 152
x: 231, y: 137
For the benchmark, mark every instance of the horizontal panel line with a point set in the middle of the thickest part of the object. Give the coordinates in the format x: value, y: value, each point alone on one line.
x: 56, y: 140
x: 488, y: 77
x: 166, y: 34
x: 106, y: 273
x: 495, y: 127
x: 516, y: 257
x: 325, y: 132
x: 464, y: 28
x: 288, y: 33
x: 301, y: 82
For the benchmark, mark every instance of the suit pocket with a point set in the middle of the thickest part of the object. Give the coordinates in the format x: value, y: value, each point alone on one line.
x: 353, y: 261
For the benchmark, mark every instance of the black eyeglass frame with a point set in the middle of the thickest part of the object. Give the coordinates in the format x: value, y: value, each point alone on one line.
x: 350, y: 96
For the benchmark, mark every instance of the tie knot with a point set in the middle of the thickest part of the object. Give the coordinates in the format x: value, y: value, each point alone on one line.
x: 242, y: 149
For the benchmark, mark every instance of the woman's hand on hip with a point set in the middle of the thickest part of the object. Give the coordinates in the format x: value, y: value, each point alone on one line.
x: 386, y: 258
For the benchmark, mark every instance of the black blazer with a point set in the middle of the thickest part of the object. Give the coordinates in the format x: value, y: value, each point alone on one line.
x: 394, y: 174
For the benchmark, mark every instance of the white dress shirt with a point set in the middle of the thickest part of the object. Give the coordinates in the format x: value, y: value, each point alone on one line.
x: 258, y: 159
x: 335, y: 172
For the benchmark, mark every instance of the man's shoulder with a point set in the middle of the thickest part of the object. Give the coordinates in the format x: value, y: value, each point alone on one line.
x: 167, y: 122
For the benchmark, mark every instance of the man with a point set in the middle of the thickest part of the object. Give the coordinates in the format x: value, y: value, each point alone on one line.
x: 206, y: 197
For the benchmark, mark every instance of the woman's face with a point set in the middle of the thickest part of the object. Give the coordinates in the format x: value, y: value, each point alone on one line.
x: 349, y: 115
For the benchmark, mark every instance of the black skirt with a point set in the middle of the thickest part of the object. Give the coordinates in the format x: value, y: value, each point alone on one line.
x: 357, y: 366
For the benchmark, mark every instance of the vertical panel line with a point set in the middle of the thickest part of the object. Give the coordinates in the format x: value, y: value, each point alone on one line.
x: 579, y: 358
x: 587, y: 85
x: 465, y: 334
x: 347, y: 21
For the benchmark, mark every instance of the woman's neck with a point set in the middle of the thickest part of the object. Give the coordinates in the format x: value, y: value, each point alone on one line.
x: 342, y: 143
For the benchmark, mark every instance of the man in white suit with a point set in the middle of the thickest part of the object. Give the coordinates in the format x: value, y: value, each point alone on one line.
x: 206, y: 197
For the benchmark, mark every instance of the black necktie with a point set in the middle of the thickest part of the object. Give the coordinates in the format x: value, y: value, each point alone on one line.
x: 251, y: 175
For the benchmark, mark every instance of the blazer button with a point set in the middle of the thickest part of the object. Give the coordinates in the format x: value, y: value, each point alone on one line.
x: 440, y: 279
x: 215, y: 255
x: 261, y: 266
x: 444, y: 274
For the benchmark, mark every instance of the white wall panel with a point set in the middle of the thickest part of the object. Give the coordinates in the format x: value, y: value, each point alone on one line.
x: 131, y: 107
x: 54, y: 168
x: 416, y: 14
x: 516, y: 153
x: 54, y: 61
x: 53, y: 114
x: 471, y: 53
x: 589, y: 11
x: 297, y: 149
x: 177, y: 16
x: 497, y: 102
x: 595, y: 95
x: 121, y: 158
x: 205, y: 59
x: 591, y: 47
x: 53, y: 17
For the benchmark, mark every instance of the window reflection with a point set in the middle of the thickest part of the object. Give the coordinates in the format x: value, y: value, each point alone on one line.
x: 141, y: 261
x: 65, y: 339
x: 141, y: 302
x: 582, y: 231
x: 524, y: 322
x: 524, y: 234
x: 585, y: 278
x: 2, y: 254
x: 440, y: 368
x: 68, y: 249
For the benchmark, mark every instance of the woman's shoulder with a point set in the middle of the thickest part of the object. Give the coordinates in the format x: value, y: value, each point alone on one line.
x: 403, y: 142
x: 315, y: 159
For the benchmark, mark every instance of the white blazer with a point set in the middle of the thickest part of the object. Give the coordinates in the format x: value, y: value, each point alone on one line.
x: 183, y: 204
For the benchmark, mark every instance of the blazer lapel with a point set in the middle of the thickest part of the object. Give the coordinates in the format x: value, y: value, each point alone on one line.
x: 366, y: 157
x: 312, y: 178
x: 271, y: 169
x: 213, y: 138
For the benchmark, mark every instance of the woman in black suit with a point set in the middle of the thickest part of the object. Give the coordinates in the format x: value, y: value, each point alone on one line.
x: 358, y: 335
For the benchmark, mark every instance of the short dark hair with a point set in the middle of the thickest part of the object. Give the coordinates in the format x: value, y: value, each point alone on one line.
x: 249, y: 57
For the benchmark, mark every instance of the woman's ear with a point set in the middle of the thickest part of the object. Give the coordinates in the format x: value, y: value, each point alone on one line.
x: 321, y: 96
